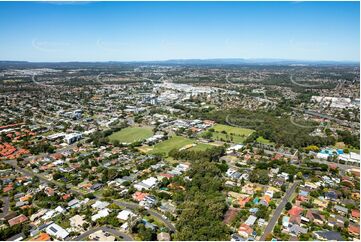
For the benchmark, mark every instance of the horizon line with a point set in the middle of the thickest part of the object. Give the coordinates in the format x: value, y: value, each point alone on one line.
x: 187, y: 59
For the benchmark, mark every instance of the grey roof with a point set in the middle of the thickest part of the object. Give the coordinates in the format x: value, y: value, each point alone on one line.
x: 296, y: 229
x: 251, y: 220
x: 329, y: 235
x: 340, y: 208
x: 17, y: 236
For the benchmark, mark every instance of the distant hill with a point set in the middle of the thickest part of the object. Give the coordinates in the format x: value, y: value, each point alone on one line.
x: 188, y: 62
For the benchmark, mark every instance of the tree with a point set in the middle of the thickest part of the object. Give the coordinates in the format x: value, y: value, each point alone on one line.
x: 259, y: 176
x: 262, y: 212
x: 207, y: 135
x: 203, y: 205
x: 115, y: 142
x: 288, y: 206
x: 290, y: 178
x: 89, y: 195
x: 272, y: 204
x: 269, y: 237
x: 145, y: 233
x: 312, y: 148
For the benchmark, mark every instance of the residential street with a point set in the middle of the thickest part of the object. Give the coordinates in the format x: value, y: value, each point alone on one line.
x: 6, y: 206
x: 129, y: 205
x: 152, y: 212
x: 279, y: 210
x: 123, y: 235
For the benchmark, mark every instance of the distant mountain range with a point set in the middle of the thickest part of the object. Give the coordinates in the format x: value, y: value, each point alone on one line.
x: 234, y: 61
x: 219, y: 61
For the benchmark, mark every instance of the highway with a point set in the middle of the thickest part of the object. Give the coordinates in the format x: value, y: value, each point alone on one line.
x: 115, y: 232
x: 278, y: 211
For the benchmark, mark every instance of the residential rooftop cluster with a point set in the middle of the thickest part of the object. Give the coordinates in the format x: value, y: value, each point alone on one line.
x: 176, y: 153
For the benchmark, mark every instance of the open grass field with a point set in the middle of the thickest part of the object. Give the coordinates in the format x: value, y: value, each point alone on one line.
x: 131, y: 134
x: 233, y: 134
x: 201, y: 147
x: 232, y: 130
x: 177, y: 142
x: 229, y: 138
x: 264, y: 141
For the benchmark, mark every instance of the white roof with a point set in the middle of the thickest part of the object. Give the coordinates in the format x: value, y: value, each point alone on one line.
x: 151, y: 181
x: 48, y: 214
x: 125, y: 214
x: 73, y: 202
x: 41, y: 212
x: 100, y: 205
x: 269, y: 193
x: 353, y: 157
x: 101, y: 214
x: 251, y: 220
x: 59, y: 209
x: 236, y: 147
x: 77, y: 221
x: 124, y: 226
x: 57, y: 231
x: 322, y: 156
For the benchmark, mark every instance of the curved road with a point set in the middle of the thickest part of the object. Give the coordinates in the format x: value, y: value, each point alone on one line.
x: 118, y: 233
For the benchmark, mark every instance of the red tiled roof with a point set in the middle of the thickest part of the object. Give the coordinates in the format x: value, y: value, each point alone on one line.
x: 245, y: 228
x: 57, y: 156
x: 230, y: 215
x: 17, y: 220
x: 354, y: 229
x: 295, y: 211
x: 139, y: 196
x: 49, y: 191
x: 242, y: 202
x: 42, y: 237
x: 66, y: 196
x: 277, y: 156
x: 167, y: 175
x: 10, y: 126
x: 8, y: 188
x: 355, y: 213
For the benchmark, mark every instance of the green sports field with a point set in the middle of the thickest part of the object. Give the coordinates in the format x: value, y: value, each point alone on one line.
x: 232, y: 130
x: 264, y: 141
x: 177, y: 142
x: 131, y: 134
x: 233, y: 134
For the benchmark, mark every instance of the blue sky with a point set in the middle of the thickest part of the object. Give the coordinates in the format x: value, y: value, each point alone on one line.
x: 126, y: 31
